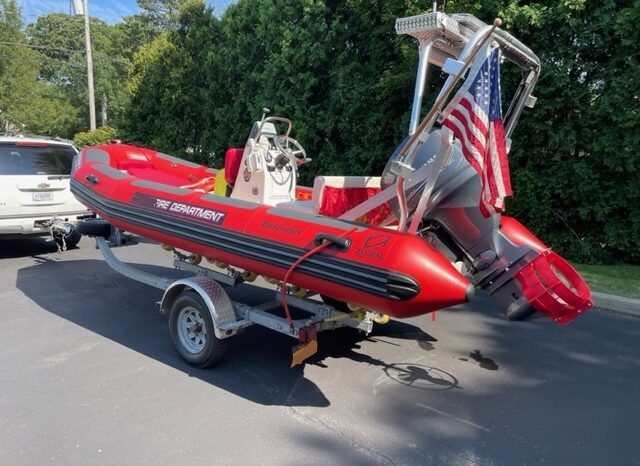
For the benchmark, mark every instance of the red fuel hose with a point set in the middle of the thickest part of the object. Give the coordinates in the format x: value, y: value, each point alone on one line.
x: 283, y: 289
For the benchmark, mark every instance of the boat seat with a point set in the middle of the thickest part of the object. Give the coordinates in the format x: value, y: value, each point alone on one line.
x: 126, y: 164
x: 145, y: 170
x: 205, y: 185
x: 232, y: 160
x: 335, y: 195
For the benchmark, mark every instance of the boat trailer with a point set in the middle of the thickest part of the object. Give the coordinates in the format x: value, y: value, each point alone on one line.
x: 202, y: 316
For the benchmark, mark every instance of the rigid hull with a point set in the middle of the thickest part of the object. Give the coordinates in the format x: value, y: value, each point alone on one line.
x: 379, y: 269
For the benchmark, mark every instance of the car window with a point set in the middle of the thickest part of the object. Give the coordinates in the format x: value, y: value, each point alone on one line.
x: 25, y: 160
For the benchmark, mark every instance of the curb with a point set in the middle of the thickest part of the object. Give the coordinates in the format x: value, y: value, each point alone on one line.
x: 619, y: 304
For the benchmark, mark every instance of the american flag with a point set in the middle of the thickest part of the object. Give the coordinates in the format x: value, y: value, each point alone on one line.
x: 474, y: 115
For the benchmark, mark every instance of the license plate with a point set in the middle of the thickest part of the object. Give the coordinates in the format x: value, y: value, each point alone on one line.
x: 42, y: 196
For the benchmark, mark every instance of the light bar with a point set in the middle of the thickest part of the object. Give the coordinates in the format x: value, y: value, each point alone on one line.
x: 426, y: 26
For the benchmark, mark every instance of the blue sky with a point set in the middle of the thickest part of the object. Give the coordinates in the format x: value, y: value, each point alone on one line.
x: 108, y: 10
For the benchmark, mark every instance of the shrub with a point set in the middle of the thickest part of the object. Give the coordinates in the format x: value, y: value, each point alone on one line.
x: 91, y: 138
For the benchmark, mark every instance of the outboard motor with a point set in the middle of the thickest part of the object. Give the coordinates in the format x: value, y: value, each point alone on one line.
x: 497, y: 253
x: 439, y: 191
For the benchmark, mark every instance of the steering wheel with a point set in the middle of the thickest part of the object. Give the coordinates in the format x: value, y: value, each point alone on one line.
x: 289, y: 147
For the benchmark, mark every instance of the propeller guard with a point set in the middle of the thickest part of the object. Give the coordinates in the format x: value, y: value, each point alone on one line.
x: 543, y: 286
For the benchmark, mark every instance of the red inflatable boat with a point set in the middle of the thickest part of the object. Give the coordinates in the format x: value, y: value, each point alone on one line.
x: 169, y: 200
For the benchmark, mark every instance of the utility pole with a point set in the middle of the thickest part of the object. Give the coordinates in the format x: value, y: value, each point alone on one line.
x: 83, y: 9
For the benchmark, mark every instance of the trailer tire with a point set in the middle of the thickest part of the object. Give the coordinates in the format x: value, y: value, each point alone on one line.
x: 192, y: 331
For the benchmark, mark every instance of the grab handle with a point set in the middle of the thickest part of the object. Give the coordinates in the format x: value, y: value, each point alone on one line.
x: 93, y: 179
x: 337, y: 242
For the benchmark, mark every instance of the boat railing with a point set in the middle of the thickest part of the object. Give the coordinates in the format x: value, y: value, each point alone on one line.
x: 448, y: 40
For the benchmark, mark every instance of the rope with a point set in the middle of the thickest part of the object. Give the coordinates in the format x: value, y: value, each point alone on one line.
x: 283, y: 290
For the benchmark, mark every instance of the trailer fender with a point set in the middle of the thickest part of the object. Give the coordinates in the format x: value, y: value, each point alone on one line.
x: 216, y: 299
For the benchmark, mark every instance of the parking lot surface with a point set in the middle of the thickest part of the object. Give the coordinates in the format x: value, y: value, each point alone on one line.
x: 88, y: 375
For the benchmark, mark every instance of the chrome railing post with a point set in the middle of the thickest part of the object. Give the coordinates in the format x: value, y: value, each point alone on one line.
x: 421, y: 77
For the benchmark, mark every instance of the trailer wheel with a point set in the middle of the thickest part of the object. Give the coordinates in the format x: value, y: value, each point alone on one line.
x: 192, y: 331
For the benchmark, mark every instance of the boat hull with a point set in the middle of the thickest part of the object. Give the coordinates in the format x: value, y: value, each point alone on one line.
x: 382, y: 270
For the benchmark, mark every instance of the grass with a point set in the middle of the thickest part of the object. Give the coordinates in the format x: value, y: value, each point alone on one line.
x: 623, y: 280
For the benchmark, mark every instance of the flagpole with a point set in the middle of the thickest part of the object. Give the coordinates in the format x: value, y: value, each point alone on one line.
x: 401, y: 165
x: 445, y: 93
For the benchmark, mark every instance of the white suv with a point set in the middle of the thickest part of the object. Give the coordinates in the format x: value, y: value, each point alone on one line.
x: 34, y: 189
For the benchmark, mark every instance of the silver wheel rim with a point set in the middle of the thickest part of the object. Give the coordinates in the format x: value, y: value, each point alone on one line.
x: 192, y: 330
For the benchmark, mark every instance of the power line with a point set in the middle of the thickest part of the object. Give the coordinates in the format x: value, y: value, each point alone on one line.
x: 43, y: 47
x: 45, y: 57
x: 37, y: 60
x: 58, y: 49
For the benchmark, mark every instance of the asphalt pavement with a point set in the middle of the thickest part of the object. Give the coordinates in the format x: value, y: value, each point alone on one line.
x: 88, y: 375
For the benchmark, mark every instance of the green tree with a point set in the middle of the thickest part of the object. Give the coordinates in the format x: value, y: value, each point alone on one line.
x: 102, y: 135
x: 346, y: 79
x: 163, y: 14
x: 155, y: 17
x: 336, y: 68
x: 27, y: 103
x: 131, y: 33
x: 575, y: 162
x: 60, y: 38
x: 168, y: 85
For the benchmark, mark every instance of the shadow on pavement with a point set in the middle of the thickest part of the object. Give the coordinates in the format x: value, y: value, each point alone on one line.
x: 546, y: 395
x: 500, y: 393
x: 91, y: 295
x: 27, y: 246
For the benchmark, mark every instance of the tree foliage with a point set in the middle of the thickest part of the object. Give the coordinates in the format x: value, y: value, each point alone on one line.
x: 102, y: 135
x: 27, y: 103
x: 575, y: 159
x: 161, y: 14
x: 195, y: 83
x: 62, y: 42
x: 169, y: 85
x: 340, y: 72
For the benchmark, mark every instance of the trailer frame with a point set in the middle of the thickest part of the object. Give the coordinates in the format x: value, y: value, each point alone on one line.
x: 230, y: 318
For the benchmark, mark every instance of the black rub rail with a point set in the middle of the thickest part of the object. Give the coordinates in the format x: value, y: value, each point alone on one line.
x: 371, y: 280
